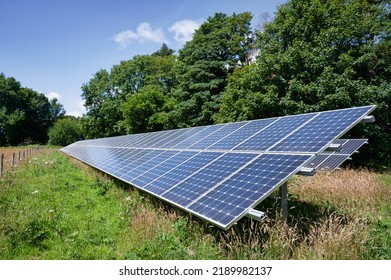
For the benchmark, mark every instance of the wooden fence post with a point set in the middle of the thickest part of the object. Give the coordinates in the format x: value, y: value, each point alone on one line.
x: 1, y: 164
x: 13, y: 160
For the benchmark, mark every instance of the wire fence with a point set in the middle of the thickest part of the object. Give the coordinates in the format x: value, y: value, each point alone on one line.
x: 11, y: 157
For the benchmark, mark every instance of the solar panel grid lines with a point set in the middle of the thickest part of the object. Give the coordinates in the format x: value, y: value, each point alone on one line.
x: 242, y: 134
x: 173, y: 159
x: 184, y: 135
x: 246, y: 188
x: 180, y: 172
x: 219, y: 172
x: 317, y: 161
x: 275, y: 132
x: 222, y: 181
x: 185, y: 144
x: 173, y: 134
x: 195, y: 185
x: 149, y: 138
x: 348, y: 146
x: 330, y: 160
x: 327, y: 126
x: 140, y: 164
x: 217, y: 135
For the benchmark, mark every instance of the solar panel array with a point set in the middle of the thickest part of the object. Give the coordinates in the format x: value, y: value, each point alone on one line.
x: 330, y: 160
x: 218, y: 172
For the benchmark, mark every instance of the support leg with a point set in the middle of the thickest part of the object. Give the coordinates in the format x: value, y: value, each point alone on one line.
x: 284, y: 201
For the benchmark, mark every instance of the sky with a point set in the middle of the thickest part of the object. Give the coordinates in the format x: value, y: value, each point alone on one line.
x: 54, y: 47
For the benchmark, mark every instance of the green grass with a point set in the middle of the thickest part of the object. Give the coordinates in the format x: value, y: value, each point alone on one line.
x: 53, y: 207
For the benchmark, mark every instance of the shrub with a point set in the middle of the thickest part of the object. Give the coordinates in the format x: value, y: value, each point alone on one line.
x: 64, y: 132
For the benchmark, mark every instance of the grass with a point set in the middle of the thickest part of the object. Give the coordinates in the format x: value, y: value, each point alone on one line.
x: 54, y: 207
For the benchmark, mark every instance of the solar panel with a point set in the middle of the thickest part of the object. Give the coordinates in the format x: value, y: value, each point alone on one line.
x: 232, y: 198
x: 315, y: 135
x: 330, y: 160
x: 219, y: 172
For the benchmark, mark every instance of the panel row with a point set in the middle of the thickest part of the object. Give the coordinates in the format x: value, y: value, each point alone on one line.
x: 219, y: 187
x: 299, y: 133
x: 330, y: 160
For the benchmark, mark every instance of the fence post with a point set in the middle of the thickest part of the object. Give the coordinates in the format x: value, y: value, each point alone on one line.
x: 13, y: 160
x: 1, y: 164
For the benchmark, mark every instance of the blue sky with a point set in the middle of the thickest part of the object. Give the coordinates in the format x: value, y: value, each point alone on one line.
x: 55, y: 46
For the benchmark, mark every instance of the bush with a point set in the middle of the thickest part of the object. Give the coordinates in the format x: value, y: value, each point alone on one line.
x: 64, y: 132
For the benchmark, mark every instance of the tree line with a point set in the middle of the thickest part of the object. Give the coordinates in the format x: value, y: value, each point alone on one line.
x: 25, y: 115
x: 313, y: 55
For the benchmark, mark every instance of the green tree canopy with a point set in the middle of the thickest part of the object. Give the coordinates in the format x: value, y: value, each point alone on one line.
x: 319, y: 55
x: 25, y: 115
x: 218, y: 46
x: 65, y: 131
x: 112, y: 98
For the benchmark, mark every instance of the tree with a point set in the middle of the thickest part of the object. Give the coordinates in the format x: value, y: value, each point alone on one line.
x: 24, y: 113
x: 109, y: 97
x: 56, y: 109
x: 319, y: 55
x: 65, y: 131
x: 146, y: 110
x: 102, y: 101
x: 164, y: 51
x: 218, y: 46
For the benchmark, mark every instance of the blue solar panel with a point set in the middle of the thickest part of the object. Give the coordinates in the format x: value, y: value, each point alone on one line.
x: 330, y: 160
x: 348, y: 146
x: 185, y: 134
x: 180, y: 172
x: 217, y: 135
x: 242, y: 134
x: 279, y: 129
x: 220, y: 172
x: 170, y: 163
x: 198, y: 136
x: 316, y: 135
x: 201, y: 181
x: 233, y: 197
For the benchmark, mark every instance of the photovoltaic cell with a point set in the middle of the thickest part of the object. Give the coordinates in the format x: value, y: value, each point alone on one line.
x: 187, y: 143
x: 201, y: 181
x: 320, y: 131
x: 349, y: 146
x: 220, y: 172
x: 233, y: 197
x: 217, y: 135
x: 330, y: 160
x: 180, y: 172
x: 242, y: 134
x: 276, y: 131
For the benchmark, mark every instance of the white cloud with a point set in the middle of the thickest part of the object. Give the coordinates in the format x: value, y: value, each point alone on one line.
x: 184, y: 30
x: 143, y: 33
x: 80, y: 104
x: 52, y: 95
x: 80, y: 109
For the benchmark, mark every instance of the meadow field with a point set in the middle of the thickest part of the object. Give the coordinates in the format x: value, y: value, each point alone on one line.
x: 54, y: 207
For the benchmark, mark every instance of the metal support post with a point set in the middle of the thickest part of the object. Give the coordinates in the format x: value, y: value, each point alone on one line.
x: 284, y: 201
